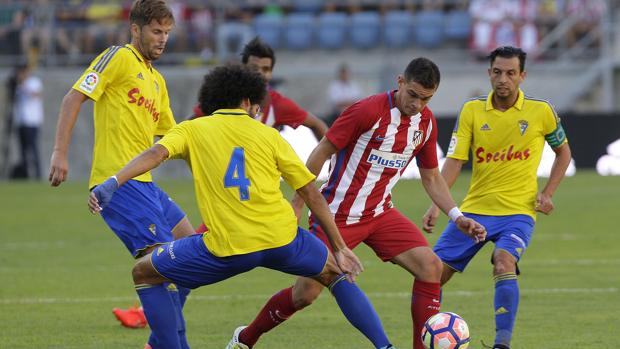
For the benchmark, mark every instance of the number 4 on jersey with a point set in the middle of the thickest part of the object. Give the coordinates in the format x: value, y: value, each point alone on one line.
x: 235, y: 174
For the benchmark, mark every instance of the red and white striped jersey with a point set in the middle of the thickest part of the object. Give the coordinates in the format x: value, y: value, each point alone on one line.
x: 279, y: 110
x: 375, y: 144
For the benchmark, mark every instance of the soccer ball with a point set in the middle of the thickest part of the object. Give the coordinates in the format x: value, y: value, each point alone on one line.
x: 445, y: 331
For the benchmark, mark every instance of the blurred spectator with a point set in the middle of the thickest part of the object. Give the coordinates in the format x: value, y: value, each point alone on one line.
x: 342, y: 93
x: 201, y: 32
x: 233, y: 32
x: 5, y: 140
x: 37, y: 32
x: 104, y: 25
x: 549, y: 15
x: 70, y: 24
x: 12, y: 20
x: 589, y: 14
x: 28, y: 114
x: 504, y: 23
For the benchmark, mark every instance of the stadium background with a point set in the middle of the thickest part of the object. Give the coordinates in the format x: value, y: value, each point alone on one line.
x: 50, y: 245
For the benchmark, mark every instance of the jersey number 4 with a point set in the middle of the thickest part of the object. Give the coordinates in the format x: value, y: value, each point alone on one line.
x: 235, y: 174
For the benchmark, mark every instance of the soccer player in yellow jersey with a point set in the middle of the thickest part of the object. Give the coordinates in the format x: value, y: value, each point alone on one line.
x: 131, y: 107
x: 505, y: 132
x: 237, y: 163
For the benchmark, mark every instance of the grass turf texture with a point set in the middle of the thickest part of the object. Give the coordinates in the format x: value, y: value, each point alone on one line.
x: 63, y: 271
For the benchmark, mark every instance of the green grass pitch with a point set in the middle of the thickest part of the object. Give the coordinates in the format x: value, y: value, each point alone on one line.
x: 63, y: 271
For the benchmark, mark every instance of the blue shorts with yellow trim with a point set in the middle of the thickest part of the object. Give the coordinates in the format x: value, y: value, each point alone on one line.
x: 511, y: 233
x: 187, y: 262
x: 142, y: 215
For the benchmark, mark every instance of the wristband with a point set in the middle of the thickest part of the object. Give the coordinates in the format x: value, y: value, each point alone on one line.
x: 455, y: 213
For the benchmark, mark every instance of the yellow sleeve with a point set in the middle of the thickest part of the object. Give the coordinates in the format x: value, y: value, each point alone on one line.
x: 176, y: 142
x: 166, y: 119
x: 102, y: 71
x: 462, y: 134
x: 293, y: 170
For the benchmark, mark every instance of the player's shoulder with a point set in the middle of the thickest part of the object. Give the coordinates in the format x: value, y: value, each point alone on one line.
x: 476, y: 101
x: 538, y: 101
x: 427, y: 113
x: 110, y: 54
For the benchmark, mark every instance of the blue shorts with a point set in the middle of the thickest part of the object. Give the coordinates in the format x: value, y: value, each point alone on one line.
x: 142, y: 215
x: 510, y: 233
x: 187, y: 262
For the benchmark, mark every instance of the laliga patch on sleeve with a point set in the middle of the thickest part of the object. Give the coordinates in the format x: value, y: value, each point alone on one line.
x: 452, y: 145
x: 90, y: 82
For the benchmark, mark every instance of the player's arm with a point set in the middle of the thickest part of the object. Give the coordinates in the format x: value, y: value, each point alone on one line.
x: 544, y: 204
x: 438, y: 191
x: 146, y: 161
x: 318, y: 126
x: 346, y: 259
x: 69, y: 110
x: 450, y: 172
x: 323, y: 151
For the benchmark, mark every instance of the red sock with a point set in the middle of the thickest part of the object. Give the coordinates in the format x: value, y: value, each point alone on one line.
x: 424, y: 304
x: 279, y: 308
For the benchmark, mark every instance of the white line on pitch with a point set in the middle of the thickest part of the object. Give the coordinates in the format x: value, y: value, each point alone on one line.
x: 266, y: 296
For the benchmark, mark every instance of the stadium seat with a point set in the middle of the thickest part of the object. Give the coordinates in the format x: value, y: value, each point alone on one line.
x: 428, y: 29
x: 365, y: 29
x: 457, y: 25
x: 268, y: 28
x: 397, y: 29
x: 308, y: 6
x: 299, y: 30
x: 331, y: 29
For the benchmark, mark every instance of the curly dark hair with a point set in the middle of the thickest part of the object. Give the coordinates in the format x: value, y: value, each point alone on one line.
x: 225, y: 87
x: 424, y: 72
x: 258, y: 48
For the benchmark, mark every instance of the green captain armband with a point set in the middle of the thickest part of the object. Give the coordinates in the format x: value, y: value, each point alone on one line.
x: 557, y: 137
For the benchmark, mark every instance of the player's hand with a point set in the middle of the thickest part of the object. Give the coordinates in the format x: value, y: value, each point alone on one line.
x: 100, y: 197
x: 430, y: 219
x: 544, y: 204
x: 471, y: 228
x: 59, y: 167
x: 298, y: 206
x: 349, y: 263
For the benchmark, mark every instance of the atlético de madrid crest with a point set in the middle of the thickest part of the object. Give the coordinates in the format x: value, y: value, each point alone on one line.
x: 417, y: 138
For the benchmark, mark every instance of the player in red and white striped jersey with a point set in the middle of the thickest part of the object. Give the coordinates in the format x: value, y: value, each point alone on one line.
x: 370, y: 145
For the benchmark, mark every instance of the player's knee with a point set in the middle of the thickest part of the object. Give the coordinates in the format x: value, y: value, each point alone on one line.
x: 139, y: 273
x: 431, y: 269
x: 305, y: 294
x: 504, y: 265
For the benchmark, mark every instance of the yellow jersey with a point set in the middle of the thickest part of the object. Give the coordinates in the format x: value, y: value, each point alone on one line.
x: 237, y: 163
x: 506, y: 148
x: 131, y: 108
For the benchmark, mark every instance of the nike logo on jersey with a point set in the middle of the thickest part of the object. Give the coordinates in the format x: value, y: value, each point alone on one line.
x: 379, y: 138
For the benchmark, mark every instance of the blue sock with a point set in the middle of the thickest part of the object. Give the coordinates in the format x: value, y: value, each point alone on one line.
x: 506, y: 305
x: 160, y: 312
x: 358, y: 310
x: 179, y: 295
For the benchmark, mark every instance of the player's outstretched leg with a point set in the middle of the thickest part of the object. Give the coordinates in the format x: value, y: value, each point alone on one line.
x: 158, y: 305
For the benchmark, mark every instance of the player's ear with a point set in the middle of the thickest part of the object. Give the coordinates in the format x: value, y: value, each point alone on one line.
x: 135, y: 30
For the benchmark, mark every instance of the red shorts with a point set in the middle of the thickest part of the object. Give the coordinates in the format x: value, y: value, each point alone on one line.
x: 388, y: 234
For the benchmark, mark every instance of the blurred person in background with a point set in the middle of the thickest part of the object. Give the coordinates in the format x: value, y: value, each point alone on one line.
x: 28, y: 114
x: 342, y: 93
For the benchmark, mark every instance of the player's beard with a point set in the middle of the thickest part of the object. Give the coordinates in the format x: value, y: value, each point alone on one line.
x: 147, y: 51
